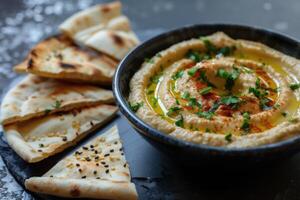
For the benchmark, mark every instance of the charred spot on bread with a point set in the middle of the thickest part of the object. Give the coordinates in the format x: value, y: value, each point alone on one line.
x: 66, y: 65
x: 75, y: 192
x: 105, y: 8
x: 117, y: 39
x: 30, y: 64
x: 33, y: 53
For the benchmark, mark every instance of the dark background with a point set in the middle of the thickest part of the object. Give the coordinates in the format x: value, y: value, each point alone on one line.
x: 23, y: 23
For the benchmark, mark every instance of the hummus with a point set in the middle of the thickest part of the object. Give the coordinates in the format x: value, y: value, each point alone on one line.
x: 219, y: 91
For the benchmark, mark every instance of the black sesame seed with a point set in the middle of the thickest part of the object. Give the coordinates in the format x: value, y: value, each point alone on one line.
x: 77, y: 164
x: 80, y: 170
x: 97, y: 164
x: 116, y: 142
x: 92, y: 146
x: 106, y: 155
x: 122, y: 154
x: 85, y: 148
x: 92, y: 124
x: 39, y: 150
x: 103, y: 163
x: 125, y: 165
x: 87, y: 159
x: 107, y: 171
x: 41, y: 145
x: 95, y: 172
x: 83, y: 177
x: 111, y: 151
x: 51, y: 176
x: 64, y: 138
x: 98, y: 178
x: 106, y: 166
x: 121, y: 149
x: 96, y: 152
x: 97, y: 157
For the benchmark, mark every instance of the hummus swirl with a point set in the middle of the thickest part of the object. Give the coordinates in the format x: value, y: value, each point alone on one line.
x: 220, y: 92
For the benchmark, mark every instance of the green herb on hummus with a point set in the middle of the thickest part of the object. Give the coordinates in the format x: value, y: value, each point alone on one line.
x: 135, y: 106
x: 179, y: 122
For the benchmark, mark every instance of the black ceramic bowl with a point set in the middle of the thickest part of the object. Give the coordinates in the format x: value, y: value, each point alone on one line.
x: 198, y: 154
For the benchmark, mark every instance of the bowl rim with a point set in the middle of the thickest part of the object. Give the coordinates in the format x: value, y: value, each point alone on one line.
x: 167, y: 139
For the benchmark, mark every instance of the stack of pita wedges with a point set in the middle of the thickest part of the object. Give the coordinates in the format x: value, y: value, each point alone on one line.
x: 60, y: 101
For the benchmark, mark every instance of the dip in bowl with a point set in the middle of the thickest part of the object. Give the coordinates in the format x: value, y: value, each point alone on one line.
x: 214, y: 92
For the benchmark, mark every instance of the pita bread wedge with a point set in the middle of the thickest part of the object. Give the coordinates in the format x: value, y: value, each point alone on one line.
x: 97, y: 170
x: 87, y: 19
x: 36, y: 96
x: 114, y: 43
x: 120, y: 23
x: 37, y: 139
x: 108, y: 32
x: 57, y: 57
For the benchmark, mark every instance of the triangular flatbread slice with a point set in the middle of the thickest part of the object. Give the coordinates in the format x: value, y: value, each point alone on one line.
x: 59, y: 58
x: 97, y: 170
x: 98, y: 15
x: 37, y: 139
x: 114, y: 43
x: 36, y: 96
x: 102, y: 27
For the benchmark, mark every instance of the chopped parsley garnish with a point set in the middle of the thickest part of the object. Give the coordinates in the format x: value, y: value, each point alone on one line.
x: 205, y: 114
x: 226, y: 51
x: 47, y: 111
x: 192, y: 102
x: 185, y: 95
x: 210, y: 47
x: 158, y: 55
x: 135, y: 106
x: 179, y: 122
x: 57, y: 104
x: 261, y: 94
x: 295, y: 86
x: 173, y: 110
x: 228, y: 100
x: 284, y: 114
x: 255, y: 91
x: 228, y: 137
x: 246, y: 122
x: 155, y: 78
x: 148, y: 60
x: 205, y: 90
x: 192, y: 71
x: 150, y: 91
x: 178, y: 75
x: 230, y: 77
x: 153, y: 101
x: 193, y: 55
x: 177, y: 102
x: 207, y: 130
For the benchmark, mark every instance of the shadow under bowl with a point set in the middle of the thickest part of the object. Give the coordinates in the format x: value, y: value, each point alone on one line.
x: 189, y: 154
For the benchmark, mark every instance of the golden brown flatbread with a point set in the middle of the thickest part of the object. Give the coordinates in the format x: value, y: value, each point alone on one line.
x: 58, y: 57
x: 37, y: 139
x: 36, y: 96
x: 102, y: 27
x: 97, y: 170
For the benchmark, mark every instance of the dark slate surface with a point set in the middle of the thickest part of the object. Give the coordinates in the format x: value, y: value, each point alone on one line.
x: 156, y: 177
